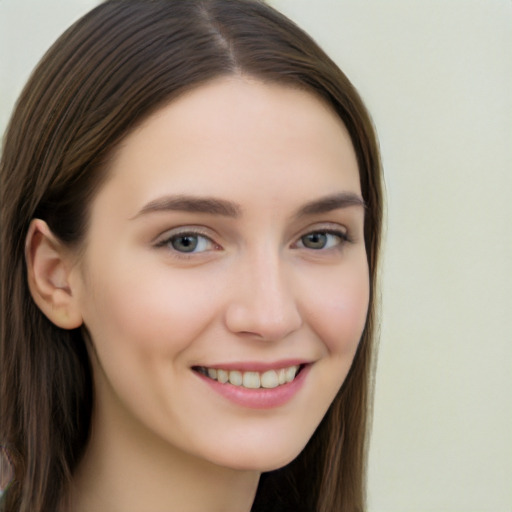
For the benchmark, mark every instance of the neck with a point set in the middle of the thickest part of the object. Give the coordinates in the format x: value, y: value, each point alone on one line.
x: 127, y: 468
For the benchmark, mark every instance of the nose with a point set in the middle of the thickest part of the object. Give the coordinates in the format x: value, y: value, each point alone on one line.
x: 262, y: 301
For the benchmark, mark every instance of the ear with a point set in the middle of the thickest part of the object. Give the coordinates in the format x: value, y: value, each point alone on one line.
x: 48, y: 271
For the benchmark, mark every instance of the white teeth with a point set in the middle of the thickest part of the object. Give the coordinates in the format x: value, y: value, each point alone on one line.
x: 269, y: 379
x: 222, y: 376
x: 235, y: 378
x: 291, y: 372
x: 253, y: 380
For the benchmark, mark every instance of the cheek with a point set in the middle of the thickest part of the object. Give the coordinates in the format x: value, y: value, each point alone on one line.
x: 158, y: 313
x: 339, y: 308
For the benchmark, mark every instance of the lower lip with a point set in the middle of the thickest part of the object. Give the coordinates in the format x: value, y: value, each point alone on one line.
x: 261, y: 398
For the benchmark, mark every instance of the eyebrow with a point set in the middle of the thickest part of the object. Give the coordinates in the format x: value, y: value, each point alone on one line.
x: 332, y: 202
x: 215, y: 206
x: 192, y: 204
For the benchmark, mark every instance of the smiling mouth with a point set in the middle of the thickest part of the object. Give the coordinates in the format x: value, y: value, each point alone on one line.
x: 252, y: 380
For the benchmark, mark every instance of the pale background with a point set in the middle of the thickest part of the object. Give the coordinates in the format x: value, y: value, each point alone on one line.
x: 437, y: 77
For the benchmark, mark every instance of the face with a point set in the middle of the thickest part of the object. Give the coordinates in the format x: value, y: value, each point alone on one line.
x: 227, y: 245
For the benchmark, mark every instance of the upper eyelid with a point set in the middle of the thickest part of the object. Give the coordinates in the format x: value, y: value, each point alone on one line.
x: 334, y: 232
x: 324, y: 227
x: 166, y: 235
x: 344, y: 232
x: 212, y: 235
x: 164, y: 242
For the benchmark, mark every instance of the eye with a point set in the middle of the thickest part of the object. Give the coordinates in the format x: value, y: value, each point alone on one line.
x: 318, y: 240
x: 188, y: 243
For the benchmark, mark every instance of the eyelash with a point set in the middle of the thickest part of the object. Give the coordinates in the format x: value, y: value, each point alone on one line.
x: 341, y: 235
x: 167, y: 241
x: 191, y: 233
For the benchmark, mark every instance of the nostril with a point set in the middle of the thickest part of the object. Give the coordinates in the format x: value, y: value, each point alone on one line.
x: 264, y: 312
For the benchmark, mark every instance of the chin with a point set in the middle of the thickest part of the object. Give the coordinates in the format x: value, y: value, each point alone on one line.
x: 260, y: 458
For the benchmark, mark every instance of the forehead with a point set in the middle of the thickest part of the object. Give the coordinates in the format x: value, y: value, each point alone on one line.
x: 236, y: 136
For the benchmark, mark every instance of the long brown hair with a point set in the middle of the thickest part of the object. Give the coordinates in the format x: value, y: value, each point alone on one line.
x: 107, y: 73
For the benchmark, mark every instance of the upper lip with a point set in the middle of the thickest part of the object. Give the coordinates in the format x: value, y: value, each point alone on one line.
x: 256, y: 366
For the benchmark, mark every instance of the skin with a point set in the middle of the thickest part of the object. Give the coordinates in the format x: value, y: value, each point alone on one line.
x: 252, y: 291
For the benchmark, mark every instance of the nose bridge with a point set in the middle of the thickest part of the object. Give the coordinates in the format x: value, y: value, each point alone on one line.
x: 263, y: 302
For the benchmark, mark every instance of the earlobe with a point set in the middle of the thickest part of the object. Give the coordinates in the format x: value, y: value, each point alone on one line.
x: 48, y: 272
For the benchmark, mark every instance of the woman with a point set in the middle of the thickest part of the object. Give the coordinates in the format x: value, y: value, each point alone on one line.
x: 190, y: 221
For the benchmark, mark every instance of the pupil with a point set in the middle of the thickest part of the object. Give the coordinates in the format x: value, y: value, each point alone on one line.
x: 315, y: 240
x: 186, y: 243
